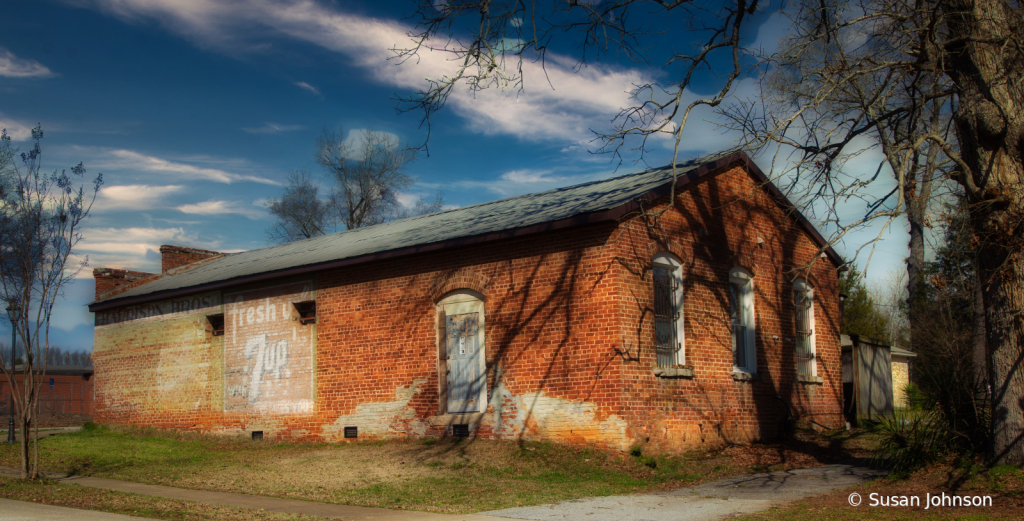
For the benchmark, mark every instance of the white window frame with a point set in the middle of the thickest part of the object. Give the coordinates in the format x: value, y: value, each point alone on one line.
x: 743, y: 278
x: 802, y: 286
x: 667, y: 260
x: 463, y: 301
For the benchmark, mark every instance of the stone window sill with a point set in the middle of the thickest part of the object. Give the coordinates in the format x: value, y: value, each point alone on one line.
x: 743, y: 376
x: 673, y: 372
x: 808, y: 379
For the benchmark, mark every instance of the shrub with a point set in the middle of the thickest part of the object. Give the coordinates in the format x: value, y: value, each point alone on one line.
x: 92, y: 427
x: 910, y: 441
x: 916, y: 400
x: 648, y: 461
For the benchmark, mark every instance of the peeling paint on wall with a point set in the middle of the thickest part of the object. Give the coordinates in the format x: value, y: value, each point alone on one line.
x: 540, y: 417
x: 383, y: 419
x: 181, y: 377
x: 140, y: 367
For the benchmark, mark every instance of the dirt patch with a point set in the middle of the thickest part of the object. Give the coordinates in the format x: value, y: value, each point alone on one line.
x: 460, y: 476
x: 346, y: 467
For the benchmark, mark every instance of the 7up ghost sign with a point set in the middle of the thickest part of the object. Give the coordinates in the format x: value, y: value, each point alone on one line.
x: 268, y: 356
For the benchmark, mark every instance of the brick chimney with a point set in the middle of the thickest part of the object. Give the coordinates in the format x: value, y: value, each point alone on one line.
x: 109, y: 279
x: 176, y: 256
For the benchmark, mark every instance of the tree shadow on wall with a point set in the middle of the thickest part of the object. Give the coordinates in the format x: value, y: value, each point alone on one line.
x: 540, y: 293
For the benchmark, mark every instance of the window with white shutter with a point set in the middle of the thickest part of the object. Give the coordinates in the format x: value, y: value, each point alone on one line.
x: 741, y: 314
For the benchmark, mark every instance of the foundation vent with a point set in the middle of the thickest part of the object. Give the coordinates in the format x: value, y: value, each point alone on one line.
x: 460, y: 430
x: 257, y: 435
x: 351, y: 432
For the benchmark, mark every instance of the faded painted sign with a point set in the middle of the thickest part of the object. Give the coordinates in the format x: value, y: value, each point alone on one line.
x: 268, y: 356
x: 163, y: 309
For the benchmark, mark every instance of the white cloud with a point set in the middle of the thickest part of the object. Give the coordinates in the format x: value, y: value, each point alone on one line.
x: 528, y: 181
x: 307, y: 87
x: 13, y: 67
x: 407, y: 200
x: 272, y: 128
x: 131, y: 160
x: 577, y: 102
x: 772, y: 31
x: 220, y: 207
x: 356, y: 141
x: 68, y: 312
x: 17, y: 130
x: 530, y: 175
x: 126, y: 248
x: 134, y: 197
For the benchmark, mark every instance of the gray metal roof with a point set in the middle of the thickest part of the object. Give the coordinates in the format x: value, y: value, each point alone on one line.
x: 419, y: 232
x: 896, y: 351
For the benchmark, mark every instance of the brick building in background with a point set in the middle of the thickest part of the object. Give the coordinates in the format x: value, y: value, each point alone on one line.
x: 598, y: 314
x: 65, y: 398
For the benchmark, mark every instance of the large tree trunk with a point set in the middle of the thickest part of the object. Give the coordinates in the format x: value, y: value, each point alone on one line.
x: 979, y: 352
x: 1003, y: 289
x: 986, y: 64
x: 917, y: 192
x: 916, y: 292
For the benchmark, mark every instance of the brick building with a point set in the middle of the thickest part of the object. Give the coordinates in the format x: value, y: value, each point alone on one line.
x: 65, y: 397
x: 598, y: 314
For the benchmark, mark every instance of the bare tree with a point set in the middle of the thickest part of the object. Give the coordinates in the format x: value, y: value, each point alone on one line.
x: 936, y: 85
x: 891, y: 299
x: 40, y: 225
x: 299, y: 213
x: 368, y: 174
x: 423, y: 206
x: 831, y: 95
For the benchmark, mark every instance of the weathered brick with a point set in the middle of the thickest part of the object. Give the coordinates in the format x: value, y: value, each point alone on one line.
x: 569, y: 339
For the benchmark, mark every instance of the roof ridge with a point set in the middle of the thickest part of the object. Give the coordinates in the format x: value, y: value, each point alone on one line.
x: 584, y: 203
x: 534, y: 195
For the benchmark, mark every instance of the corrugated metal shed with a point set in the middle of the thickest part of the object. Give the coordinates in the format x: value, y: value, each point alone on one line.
x: 494, y: 220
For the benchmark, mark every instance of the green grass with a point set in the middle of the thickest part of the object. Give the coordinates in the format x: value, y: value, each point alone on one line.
x: 441, y: 476
x: 448, y: 476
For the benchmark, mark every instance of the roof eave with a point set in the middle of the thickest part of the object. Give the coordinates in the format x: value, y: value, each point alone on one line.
x: 714, y: 166
x: 611, y: 214
x: 569, y: 222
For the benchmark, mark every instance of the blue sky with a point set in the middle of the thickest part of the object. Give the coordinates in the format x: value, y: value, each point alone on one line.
x: 196, y: 110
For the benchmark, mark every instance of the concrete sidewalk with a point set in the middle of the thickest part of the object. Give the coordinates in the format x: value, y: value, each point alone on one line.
x: 718, y: 500
x: 43, y: 432
x: 11, y: 510
x: 721, y: 499
x: 286, y: 506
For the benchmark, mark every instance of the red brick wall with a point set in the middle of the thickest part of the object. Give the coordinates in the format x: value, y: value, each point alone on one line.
x: 110, y: 279
x: 176, y: 256
x: 69, y: 394
x: 549, y: 344
x: 568, y: 342
x: 714, y: 226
